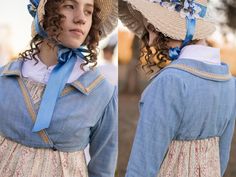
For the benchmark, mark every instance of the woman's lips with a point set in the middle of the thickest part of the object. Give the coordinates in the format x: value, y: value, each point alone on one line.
x: 77, y: 32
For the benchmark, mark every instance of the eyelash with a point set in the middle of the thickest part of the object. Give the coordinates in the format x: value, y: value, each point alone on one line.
x: 88, y: 12
x: 69, y: 6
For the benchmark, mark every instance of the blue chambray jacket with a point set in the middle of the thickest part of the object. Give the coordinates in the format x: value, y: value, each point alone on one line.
x: 187, y: 100
x: 86, y: 112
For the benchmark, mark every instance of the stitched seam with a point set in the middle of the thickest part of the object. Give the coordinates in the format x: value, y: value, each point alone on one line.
x: 95, y: 83
x: 30, y: 109
x: 6, y: 68
x: 67, y: 90
x: 91, y: 86
x: 11, y: 72
x: 78, y: 84
x: 199, y: 72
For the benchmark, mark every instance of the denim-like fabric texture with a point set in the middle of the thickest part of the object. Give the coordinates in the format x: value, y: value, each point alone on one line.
x: 86, y: 114
x: 181, y: 104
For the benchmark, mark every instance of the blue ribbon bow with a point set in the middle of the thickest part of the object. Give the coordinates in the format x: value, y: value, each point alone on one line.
x: 57, y: 81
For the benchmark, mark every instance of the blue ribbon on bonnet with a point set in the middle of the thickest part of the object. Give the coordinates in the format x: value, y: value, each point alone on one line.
x: 190, y: 23
x: 175, y: 52
x: 32, y: 8
x: 59, y: 76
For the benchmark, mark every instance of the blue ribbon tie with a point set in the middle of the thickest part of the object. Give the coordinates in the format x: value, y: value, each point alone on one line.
x: 174, y: 53
x: 57, y: 81
x: 191, y: 24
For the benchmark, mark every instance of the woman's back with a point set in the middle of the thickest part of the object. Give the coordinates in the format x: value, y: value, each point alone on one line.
x: 186, y: 121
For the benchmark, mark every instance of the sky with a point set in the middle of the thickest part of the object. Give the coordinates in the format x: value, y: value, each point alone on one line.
x: 14, y: 14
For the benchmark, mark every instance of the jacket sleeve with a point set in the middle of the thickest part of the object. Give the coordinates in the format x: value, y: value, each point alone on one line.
x: 161, y: 111
x: 226, y: 139
x: 225, y: 144
x: 104, y: 142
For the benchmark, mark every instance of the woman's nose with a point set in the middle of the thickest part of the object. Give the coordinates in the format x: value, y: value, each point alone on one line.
x: 79, y: 17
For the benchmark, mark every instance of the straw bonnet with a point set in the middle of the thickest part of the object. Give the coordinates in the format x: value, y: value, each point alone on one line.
x: 108, y: 14
x: 167, y: 16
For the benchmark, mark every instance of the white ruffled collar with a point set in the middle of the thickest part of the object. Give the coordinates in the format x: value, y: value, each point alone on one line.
x: 201, y: 53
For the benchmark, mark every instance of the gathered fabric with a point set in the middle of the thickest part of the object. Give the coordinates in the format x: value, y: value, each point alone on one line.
x: 192, y: 159
x: 17, y: 160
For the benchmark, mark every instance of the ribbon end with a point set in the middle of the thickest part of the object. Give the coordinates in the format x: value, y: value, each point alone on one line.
x: 37, y: 129
x: 174, y: 53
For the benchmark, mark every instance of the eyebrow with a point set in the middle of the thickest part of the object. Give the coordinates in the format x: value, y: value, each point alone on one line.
x: 89, y: 5
x: 76, y: 2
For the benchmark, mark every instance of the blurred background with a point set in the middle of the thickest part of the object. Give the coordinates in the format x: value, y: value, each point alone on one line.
x: 133, y: 80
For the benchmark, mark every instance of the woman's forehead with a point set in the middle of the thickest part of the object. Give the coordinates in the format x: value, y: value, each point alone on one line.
x: 86, y: 2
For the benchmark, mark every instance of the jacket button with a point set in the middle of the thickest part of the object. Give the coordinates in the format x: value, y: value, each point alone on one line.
x: 54, y: 149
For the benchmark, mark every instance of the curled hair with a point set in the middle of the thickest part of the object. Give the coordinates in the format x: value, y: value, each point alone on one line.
x: 156, y: 56
x: 93, y: 38
x: 52, y: 24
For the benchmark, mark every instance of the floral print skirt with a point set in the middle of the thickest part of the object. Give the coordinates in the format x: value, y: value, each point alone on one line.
x: 197, y: 158
x: 17, y: 160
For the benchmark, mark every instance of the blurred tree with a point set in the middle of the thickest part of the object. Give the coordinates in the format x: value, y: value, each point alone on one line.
x: 131, y: 83
x: 231, y: 13
x: 228, y: 10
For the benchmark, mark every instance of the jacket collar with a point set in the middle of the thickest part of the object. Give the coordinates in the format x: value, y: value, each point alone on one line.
x: 86, y: 83
x: 13, y: 68
x: 200, y: 69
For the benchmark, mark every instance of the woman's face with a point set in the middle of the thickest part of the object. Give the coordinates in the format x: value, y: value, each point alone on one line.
x: 77, y: 22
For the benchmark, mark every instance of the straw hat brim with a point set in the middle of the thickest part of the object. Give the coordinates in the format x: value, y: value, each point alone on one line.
x: 170, y: 23
x: 108, y: 15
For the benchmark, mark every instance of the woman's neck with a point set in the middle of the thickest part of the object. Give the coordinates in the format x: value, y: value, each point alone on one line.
x: 48, y: 54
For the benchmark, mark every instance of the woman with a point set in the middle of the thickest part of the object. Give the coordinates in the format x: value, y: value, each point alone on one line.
x: 187, y: 112
x: 55, y: 105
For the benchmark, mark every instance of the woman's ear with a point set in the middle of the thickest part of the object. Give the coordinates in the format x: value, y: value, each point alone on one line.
x: 152, y: 35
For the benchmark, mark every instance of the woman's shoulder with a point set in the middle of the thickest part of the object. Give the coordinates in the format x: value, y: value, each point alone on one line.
x: 93, y: 82
x: 168, y: 76
x: 12, y: 66
x: 106, y: 86
x: 167, y: 81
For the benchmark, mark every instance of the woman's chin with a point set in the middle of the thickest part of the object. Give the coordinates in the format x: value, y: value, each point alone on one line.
x: 72, y: 45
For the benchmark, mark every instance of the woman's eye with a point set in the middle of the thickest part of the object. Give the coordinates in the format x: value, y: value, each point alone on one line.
x: 69, y: 6
x: 88, y: 12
